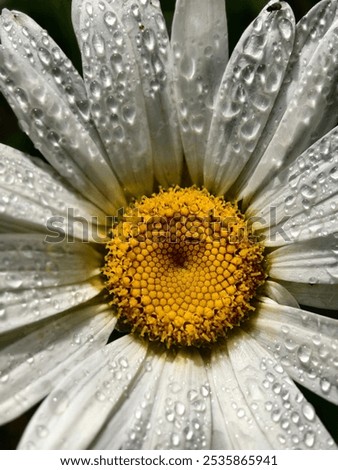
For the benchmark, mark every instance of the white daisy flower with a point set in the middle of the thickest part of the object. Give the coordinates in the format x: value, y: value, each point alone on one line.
x: 208, y: 288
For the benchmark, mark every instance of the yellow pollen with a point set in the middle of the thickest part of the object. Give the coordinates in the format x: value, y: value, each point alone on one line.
x: 182, y: 267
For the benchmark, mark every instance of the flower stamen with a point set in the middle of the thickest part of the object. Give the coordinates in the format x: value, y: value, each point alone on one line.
x: 182, y: 267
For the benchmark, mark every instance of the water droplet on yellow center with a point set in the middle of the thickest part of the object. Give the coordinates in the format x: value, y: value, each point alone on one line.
x: 182, y: 267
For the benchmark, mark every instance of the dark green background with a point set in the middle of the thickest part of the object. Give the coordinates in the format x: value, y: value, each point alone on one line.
x: 54, y: 15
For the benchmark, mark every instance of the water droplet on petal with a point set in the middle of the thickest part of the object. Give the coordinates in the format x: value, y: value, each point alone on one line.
x: 175, y: 439
x: 179, y: 408
x: 42, y: 431
x: 59, y: 402
x: 325, y: 385
x: 309, y: 439
x: 286, y: 29
x: 149, y: 39
x: 308, y: 411
x: 304, y: 354
x: 99, y: 45
x: 110, y: 19
x: 44, y: 56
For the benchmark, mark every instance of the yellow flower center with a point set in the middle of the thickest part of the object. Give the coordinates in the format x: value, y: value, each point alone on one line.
x: 182, y: 267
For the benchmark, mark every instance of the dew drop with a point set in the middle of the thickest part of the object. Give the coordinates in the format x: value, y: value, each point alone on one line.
x: 59, y: 402
x: 325, y: 385
x: 197, y: 123
x: 13, y: 281
x: 289, y: 200
x: 192, y: 395
x: 309, y: 439
x: 124, y: 362
x: 3, y: 377
x: 2, y: 314
x: 54, y: 139
x: 308, y: 411
x: 188, y: 67
x: 149, y: 39
x: 100, y: 396
x: 175, y: 439
x: 129, y: 114
x: 295, y: 417
x: 99, y: 45
x: 21, y: 98
x: 116, y: 61
x: 276, y: 415
x: 253, y: 46
x: 95, y: 89
x: 45, y: 56
x: 170, y: 415
x: 135, y: 10
x: 285, y: 27
x: 110, y: 19
x: 308, y: 191
x: 333, y: 173
x: 89, y: 9
x: 205, y: 390
x: 42, y: 431
x: 304, y: 354
x: 281, y: 439
x: 240, y: 413
x: 179, y: 408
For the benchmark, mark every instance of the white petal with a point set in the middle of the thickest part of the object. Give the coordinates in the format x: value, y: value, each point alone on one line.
x: 147, y: 32
x: 20, y: 307
x: 314, y: 295
x: 45, y: 114
x: 247, y: 93
x: 301, y: 202
x: 279, y: 294
x: 200, y: 53
x: 168, y: 408
x: 310, y: 112
x: 115, y: 93
x: 28, y: 261
x: 94, y: 390
x: 314, y: 261
x: 34, y: 197
x: 309, y: 32
x: 234, y: 425
x: 280, y: 410
x: 305, y: 343
x: 32, y: 364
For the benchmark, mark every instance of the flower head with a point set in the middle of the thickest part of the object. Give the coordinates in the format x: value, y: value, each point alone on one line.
x: 187, y: 200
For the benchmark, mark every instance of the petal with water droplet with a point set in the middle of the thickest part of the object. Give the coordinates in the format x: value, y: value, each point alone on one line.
x: 35, y: 198
x: 278, y: 293
x: 314, y: 295
x: 200, y: 54
x: 300, y: 203
x: 39, y: 303
x: 305, y: 343
x: 115, y: 93
x: 29, y: 261
x: 86, y: 414
x: 309, y: 112
x: 263, y: 382
x: 246, y: 96
x: 35, y: 360
x: 314, y: 261
x: 230, y: 431
x: 160, y: 415
x: 54, y: 125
